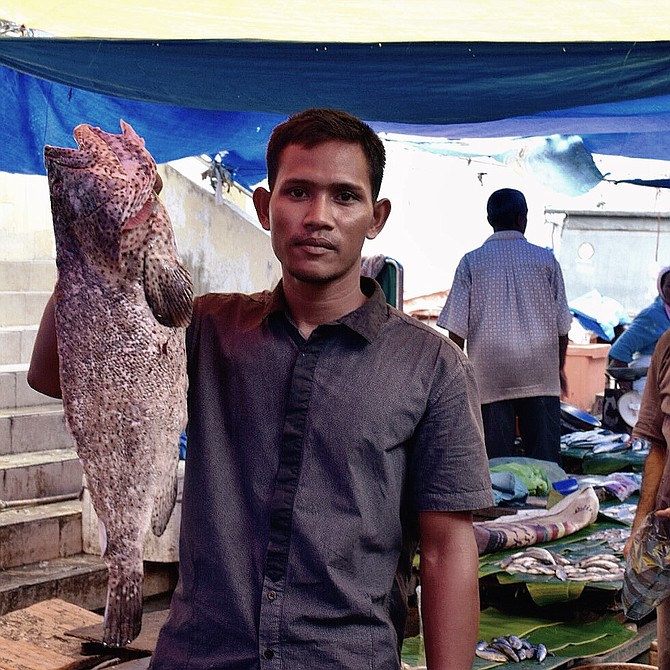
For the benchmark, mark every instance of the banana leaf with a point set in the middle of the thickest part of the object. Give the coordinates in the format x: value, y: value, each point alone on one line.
x: 616, y: 461
x: 546, y: 590
x: 566, y: 640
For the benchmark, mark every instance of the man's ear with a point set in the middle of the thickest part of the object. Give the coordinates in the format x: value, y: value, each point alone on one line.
x: 261, y: 198
x: 382, y: 209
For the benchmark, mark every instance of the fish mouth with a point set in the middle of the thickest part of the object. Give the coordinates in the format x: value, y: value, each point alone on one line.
x: 119, y: 162
x: 91, y: 142
x: 84, y: 156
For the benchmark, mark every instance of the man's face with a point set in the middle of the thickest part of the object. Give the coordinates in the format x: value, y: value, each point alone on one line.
x: 665, y: 287
x: 320, y: 211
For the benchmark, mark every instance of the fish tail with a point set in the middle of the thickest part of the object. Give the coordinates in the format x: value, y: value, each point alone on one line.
x: 165, y: 502
x: 123, y: 611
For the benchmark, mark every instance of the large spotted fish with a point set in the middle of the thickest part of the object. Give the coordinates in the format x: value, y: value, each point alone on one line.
x: 123, y: 301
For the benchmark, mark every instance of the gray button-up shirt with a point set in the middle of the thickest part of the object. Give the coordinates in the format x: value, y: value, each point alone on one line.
x: 307, y: 462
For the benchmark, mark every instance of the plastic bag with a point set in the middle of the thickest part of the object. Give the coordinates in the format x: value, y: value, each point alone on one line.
x: 646, y: 581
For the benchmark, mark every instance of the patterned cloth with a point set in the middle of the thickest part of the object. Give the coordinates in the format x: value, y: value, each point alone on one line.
x: 646, y: 581
x: 508, y: 302
x: 528, y: 527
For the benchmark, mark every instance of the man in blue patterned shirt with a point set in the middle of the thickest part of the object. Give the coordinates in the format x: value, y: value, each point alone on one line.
x: 508, y: 303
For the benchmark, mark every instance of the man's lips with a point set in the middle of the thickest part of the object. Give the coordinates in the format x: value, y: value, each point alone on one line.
x: 314, y: 243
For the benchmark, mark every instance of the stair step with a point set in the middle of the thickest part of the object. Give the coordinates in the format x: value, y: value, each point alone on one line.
x: 80, y: 579
x: 39, y: 474
x: 14, y: 389
x: 25, y: 429
x: 22, y: 308
x: 28, y: 275
x: 39, y: 533
x: 16, y: 343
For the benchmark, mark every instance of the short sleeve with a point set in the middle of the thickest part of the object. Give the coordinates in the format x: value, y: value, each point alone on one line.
x: 449, y: 462
x: 455, y: 314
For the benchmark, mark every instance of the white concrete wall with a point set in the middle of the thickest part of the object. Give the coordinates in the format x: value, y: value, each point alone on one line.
x: 218, y: 243
x: 617, y: 253
x: 25, y: 218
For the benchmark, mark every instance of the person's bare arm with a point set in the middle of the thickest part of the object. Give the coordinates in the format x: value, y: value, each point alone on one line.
x: 43, y: 373
x: 449, y: 564
x: 562, y: 351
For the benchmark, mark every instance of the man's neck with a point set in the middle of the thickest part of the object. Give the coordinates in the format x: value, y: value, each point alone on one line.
x: 314, y: 304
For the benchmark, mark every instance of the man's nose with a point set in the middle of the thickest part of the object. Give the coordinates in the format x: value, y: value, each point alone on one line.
x: 320, y: 211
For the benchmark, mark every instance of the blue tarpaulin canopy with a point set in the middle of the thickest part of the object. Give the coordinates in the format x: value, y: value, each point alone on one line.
x: 205, y: 96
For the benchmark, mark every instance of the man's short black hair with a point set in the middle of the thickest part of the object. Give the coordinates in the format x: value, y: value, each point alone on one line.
x: 504, y: 208
x: 313, y: 127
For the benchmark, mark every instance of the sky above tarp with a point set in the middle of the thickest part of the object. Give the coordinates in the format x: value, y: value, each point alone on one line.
x: 434, y: 69
x: 349, y: 20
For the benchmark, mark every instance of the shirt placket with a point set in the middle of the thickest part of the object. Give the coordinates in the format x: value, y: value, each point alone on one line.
x: 281, y: 510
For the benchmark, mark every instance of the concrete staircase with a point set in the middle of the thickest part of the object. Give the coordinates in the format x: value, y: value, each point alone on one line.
x: 41, y: 547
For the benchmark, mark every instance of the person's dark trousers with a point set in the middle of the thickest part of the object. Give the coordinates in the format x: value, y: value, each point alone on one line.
x: 539, y: 427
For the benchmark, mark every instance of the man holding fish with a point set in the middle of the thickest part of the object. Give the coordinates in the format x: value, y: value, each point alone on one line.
x: 328, y: 434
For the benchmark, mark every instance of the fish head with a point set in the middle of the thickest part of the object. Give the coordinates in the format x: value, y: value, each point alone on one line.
x: 98, y: 188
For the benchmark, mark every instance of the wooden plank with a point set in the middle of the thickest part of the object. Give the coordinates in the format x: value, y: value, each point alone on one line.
x: 21, y: 655
x: 35, y: 638
x: 137, y: 664
x: 631, y: 650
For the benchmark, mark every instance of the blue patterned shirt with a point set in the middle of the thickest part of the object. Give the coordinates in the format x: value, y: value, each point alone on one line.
x: 508, y: 302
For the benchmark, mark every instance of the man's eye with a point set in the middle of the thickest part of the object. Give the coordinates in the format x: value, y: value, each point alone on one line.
x: 297, y: 192
x: 347, y: 196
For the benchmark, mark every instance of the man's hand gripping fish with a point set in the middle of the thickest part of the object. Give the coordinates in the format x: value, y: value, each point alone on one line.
x: 123, y: 301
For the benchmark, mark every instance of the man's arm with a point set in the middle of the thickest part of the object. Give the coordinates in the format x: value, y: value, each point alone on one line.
x: 562, y: 350
x: 43, y: 373
x: 449, y: 564
x: 649, y: 426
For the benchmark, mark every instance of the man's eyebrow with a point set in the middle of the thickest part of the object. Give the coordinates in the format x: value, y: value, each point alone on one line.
x: 337, y: 186
x: 349, y: 186
x: 298, y: 181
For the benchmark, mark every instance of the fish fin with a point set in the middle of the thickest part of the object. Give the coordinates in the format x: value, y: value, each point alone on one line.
x: 169, y: 290
x: 102, y: 537
x: 123, y: 611
x: 165, y: 502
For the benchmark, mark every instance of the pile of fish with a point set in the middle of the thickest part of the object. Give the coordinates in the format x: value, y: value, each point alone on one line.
x: 541, y: 561
x: 510, y: 648
x: 614, y: 538
x: 601, y: 441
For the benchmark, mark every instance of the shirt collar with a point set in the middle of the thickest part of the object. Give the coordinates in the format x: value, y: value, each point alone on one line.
x: 366, y: 321
x: 506, y: 235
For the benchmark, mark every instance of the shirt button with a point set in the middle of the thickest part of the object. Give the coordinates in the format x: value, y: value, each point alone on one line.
x: 272, y: 595
x: 268, y: 654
